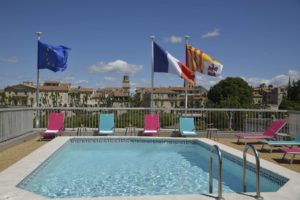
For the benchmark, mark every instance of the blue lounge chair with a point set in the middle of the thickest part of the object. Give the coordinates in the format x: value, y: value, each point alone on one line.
x: 272, y: 143
x: 187, y: 126
x: 106, y: 124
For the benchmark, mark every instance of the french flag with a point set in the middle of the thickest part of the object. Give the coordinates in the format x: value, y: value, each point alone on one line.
x: 164, y: 62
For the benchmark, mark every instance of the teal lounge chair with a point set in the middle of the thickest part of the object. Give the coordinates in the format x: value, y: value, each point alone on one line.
x: 106, y: 124
x: 187, y: 126
x: 272, y: 143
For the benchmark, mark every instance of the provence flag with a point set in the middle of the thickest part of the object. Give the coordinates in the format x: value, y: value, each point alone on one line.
x: 197, y: 60
x: 166, y: 63
x: 52, y: 57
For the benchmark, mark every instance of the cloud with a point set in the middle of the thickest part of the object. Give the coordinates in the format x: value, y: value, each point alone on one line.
x: 173, y: 39
x: 110, y: 79
x: 74, y: 81
x: 279, y: 80
x: 68, y: 79
x: 81, y: 82
x: 207, y: 81
x: 294, y: 75
x: 254, y: 81
x: 214, y: 33
x: 118, y: 66
x: 10, y: 59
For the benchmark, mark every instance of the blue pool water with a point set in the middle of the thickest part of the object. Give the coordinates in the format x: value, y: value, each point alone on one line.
x: 132, y: 167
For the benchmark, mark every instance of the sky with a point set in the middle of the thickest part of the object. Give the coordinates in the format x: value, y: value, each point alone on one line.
x: 257, y: 40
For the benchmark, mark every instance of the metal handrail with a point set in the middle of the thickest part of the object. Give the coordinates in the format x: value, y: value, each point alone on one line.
x: 247, y: 146
x: 216, y: 148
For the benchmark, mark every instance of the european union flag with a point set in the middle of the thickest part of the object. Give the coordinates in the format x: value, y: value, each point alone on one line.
x: 52, y: 57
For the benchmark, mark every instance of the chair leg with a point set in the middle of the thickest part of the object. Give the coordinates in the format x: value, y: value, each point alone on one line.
x: 283, y: 156
x: 292, y: 158
x: 262, y: 147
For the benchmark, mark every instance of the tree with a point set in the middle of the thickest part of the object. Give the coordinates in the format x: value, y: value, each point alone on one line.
x: 3, y: 99
x: 292, y: 101
x: 233, y: 92
x: 135, y: 101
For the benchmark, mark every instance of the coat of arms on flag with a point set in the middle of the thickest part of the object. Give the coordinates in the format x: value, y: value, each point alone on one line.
x: 199, y: 61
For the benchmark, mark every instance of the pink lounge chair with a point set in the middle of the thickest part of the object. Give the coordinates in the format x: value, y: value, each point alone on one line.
x: 292, y: 151
x: 151, y: 126
x: 268, y: 134
x: 55, y: 125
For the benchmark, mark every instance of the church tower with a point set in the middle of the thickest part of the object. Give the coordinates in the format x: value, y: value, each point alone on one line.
x: 126, y: 83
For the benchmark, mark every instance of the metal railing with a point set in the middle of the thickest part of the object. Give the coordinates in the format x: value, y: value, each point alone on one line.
x: 294, y: 123
x: 15, y: 122
x: 225, y: 120
x: 241, y: 120
x: 247, y: 146
x: 212, y: 149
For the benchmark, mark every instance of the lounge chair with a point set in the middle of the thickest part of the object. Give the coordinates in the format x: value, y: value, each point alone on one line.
x: 106, y: 124
x: 187, y: 126
x: 272, y: 143
x: 268, y: 134
x: 55, y: 125
x: 151, y: 125
x: 292, y: 151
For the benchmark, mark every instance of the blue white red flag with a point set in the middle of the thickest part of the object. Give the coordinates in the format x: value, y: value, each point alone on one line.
x: 164, y: 62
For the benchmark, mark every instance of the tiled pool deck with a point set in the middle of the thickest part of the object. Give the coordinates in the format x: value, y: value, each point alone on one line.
x: 10, y: 177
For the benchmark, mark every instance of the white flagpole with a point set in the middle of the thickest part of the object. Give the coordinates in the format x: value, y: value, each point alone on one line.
x: 185, y: 83
x: 152, y: 72
x: 37, y: 119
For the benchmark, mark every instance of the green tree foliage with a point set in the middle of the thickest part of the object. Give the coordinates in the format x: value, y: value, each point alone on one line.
x: 133, y: 118
x: 294, y: 92
x: 168, y: 120
x: 292, y: 102
x: 233, y: 92
x: 135, y: 101
x: 3, y: 100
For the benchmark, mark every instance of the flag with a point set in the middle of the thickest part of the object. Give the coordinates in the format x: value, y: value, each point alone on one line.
x: 197, y: 60
x: 164, y: 62
x: 52, y: 57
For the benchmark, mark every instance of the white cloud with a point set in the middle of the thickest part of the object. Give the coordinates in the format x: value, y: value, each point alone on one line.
x: 253, y: 81
x: 173, y: 39
x: 110, y: 79
x: 68, y: 79
x: 279, y: 80
x: 214, y: 33
x: 294, y: 75
x: 207, y: 81
x: 74, y: 81
x: 81, y: 82
x: 119, y: 66
x: 10, y: 59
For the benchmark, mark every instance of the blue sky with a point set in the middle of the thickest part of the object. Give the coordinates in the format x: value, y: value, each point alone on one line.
x: 258, y: 40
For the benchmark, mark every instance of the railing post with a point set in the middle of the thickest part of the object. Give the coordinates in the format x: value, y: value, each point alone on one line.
x: 216, y: 148
x: 247, y: 146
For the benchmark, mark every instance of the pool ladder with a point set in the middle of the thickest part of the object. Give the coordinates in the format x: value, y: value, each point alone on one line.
x: 247, y: 146
x: 212, y: 149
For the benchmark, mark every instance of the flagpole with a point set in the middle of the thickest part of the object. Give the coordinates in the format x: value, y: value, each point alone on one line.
x: 152, y: 72
x: 185, y: 83
x: 37, y: 119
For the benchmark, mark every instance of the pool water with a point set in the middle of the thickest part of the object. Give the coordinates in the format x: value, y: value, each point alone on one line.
x: 135, y: 167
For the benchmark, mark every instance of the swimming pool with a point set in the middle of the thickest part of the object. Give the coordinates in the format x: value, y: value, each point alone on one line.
x: 100, y: 167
